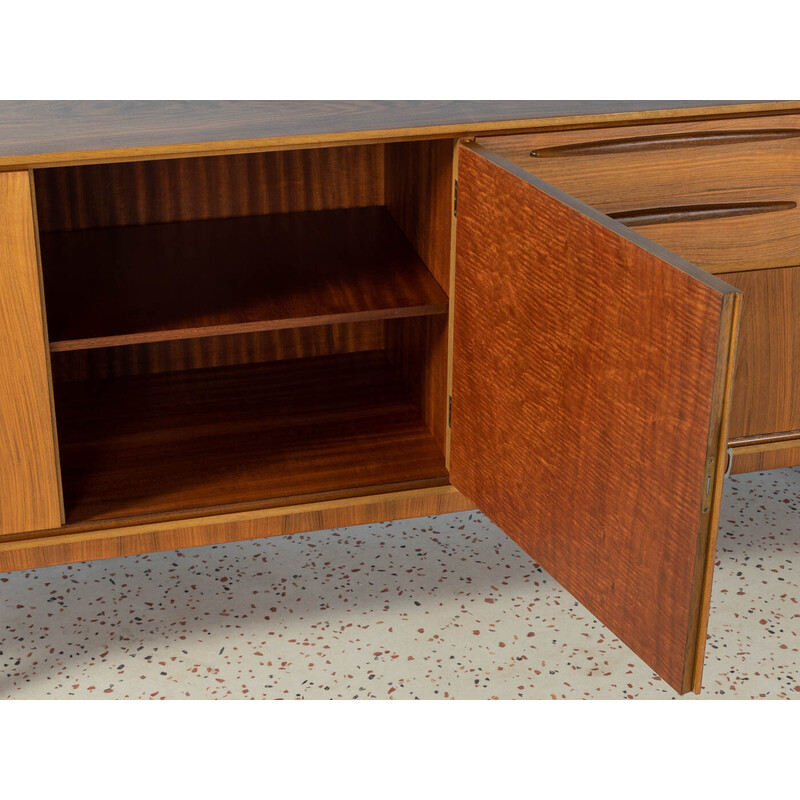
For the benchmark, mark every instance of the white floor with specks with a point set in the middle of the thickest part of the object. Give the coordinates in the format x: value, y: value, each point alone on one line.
x: 434, y: 608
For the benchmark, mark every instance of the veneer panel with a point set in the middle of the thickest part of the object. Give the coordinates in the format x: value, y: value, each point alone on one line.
x: 591, y: 375
x: 766, y: 399
x: 723, y: 194
x: 214, y: 187
x: 147, y: 537
x: 29, y: 480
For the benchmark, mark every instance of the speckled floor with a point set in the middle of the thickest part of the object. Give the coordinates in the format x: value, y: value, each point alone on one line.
x: 442, y: 607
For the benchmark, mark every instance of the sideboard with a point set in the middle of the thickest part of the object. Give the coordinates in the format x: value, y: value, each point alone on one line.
x: 230, y: 320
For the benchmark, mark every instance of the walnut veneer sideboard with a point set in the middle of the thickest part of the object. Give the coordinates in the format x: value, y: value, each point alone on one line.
x: 228, y: 320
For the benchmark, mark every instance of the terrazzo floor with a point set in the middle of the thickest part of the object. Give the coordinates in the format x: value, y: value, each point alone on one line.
x: 440, y: 607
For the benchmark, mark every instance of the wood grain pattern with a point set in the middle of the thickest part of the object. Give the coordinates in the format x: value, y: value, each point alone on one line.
x: 187, y: 279
x: 419, y: 195
x: 766, y: 396
x: 418, y: 349
x: 588, y: 365
x: 51, y: 133
x: 699, y: 213
x: 451, y: 318
x: 659, y: 142
x: 42, y: 551
x: 218, y: 187
x: 757, y: 458
x: 177, y: 442
x: 732, y: 167
x: 763, y: 241
x: 716, y: 464
x: 763, y: 439
x: 217, y: 351
x: 29, y: 479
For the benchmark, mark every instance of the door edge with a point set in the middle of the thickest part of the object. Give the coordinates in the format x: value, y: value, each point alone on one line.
x: 709, y: 521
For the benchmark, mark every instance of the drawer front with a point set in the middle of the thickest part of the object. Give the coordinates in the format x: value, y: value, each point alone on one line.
x: 766, y: 399
x: 724, y: 194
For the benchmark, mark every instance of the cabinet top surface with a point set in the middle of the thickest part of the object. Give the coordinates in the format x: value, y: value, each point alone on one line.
x: 54, y: 132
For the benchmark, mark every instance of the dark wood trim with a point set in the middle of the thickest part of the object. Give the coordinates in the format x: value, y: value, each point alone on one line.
x: 699, y: 212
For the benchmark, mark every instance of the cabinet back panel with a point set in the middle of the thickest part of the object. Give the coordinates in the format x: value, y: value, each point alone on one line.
x: 722, y: 194
x: 217, y: 351
x: 214, y: 187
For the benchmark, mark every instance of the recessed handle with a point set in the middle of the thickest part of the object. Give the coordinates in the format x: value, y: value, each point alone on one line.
x: 666, y: 141
x: 697, y: 213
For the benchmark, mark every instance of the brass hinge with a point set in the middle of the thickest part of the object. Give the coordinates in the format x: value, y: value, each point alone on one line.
x: 708, y: 483
x: 455, y: 199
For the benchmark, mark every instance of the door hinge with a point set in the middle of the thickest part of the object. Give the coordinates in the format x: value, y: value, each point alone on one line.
x: 708, y: 483
x: 449, y: 410
x: 455, y: 199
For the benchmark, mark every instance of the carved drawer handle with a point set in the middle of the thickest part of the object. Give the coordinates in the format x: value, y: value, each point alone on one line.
x: 666, y: 141
x: 697, y: 213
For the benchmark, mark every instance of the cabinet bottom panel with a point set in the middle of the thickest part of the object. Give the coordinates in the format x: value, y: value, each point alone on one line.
x: 191, y: 443
x: 43, y: 551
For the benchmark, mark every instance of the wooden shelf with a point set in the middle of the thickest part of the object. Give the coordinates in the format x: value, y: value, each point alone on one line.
x: 182, y: 280
x: 207, y: 438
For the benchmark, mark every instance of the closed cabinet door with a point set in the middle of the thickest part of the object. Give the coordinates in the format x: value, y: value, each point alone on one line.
x: 30, y: 486
x: 591, y: 383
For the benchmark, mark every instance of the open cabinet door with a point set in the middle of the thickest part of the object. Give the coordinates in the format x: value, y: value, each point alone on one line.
x: 591, y: 384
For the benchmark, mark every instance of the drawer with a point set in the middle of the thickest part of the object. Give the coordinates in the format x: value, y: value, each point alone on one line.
x: 722, y: 193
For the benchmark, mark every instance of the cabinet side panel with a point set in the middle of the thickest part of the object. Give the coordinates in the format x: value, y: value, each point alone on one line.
x: 419, y: 195
x: 418, y: 349
x: 29, y: 482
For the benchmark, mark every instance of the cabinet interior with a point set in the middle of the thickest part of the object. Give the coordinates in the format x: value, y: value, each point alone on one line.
x: 241, y: 331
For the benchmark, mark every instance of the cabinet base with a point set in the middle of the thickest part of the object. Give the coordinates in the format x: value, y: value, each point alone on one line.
x: 43, y: 551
